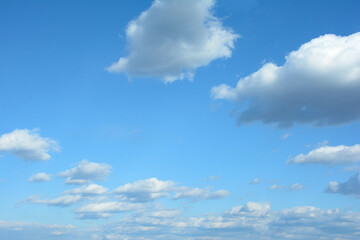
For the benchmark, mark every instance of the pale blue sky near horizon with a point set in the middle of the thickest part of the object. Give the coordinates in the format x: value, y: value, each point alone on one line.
x: 54, y: 57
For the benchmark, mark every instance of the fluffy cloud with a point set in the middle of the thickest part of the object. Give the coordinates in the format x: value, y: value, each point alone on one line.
x: 146, y: 190
x: 351, y: 186
x: 40, y: 177
x: 319, y: 84
x: 27, y: 144
x: 173, y: 38
x: 91, y: 189
x: 152, y: 188
x: 62, y: 201
x: 86, y: 172
x: 329, y: 155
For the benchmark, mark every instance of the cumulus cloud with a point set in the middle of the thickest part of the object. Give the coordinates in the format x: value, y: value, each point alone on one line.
x: 146, y: 190
x: 152, y: 188
x: 62, y: 201
x: 172, y: 38
x: 319, y: 84
x: 329, y: 155
x: 27, y: 144
x: 86, y: 172
x: 40, y: 177
x: 351, y: 186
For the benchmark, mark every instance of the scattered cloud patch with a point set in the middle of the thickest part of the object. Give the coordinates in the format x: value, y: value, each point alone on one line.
x: 277, y: 187
x: 329, y: 155
x: 285, y: 136
x: 62, y: 201
x: 104, y: 209
x: 91, y: 189
x: 296, y: 186
x: 28, y: 145
x: 172, y: 38
x: 86, y: 172
x: 152, y: 188
x: 40, y: 177
x: 319, y: 84
x: 254, y: 181
x: 196, y: 194
x: 351, y: 186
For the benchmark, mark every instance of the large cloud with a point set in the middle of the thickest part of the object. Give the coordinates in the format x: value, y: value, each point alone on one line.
x: 27, y: 144
x: 173, y: 38
x: 86, y: 172
x: 329, y: 155
x: 351, y: 186
x: 319, y: 84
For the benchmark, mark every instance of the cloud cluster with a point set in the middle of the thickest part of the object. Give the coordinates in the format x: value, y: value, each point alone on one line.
x: 40, y: 177
x: 27, y: 144
x: 351, y: 186
x: 86, y: 172
x: 173, y: 38
x: 152, y: 188
x: 329, y: 155
x: 319, y: 84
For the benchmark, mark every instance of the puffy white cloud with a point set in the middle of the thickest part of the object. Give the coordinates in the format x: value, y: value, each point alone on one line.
x: 62, y: 201
x: 351, y: 186
x: 91, y: 189
x: 146, y: 190
x: 319, y: 84
x: 196, y: 194
x: 86, y: 172
x: 27, y: 144
x: 40, y: 177
x: 329, y: 155
x: 172, y: 38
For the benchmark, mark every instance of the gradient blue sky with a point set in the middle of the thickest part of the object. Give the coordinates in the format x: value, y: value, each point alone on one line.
x: 56, y: 88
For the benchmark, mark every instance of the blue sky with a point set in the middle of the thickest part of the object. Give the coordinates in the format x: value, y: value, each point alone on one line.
x: 174, y: 119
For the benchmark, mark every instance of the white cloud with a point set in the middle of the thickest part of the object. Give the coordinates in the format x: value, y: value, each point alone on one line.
x: 319, y: 84
x: 91, y: 189
x: 254, y: 181
x: 86, y: 172
x: 196, y: 194
x: 146, y: 190
x: 104, y: 209
x: 172, y: 38
x: 152, y: 188
x: 62, y: 201
x: 329, y: 155
x: 351, y: 186
x: 296, y: 186
x: 277, y: 187
x: 40, y: 177
x: 285, y: 136
x: 27, y: 144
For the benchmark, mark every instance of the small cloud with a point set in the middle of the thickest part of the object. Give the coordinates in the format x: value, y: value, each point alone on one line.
x: 212, y: 178
x: 354, y: 168
x: 277, y: 187
x: 40, y: 177
x: 254, y: 181
x: 285, y: 136
x: 352, y: 186
x: 63, y: 201
x: 86, y: 172
x: 28, y: 145
x: 296, y: 186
